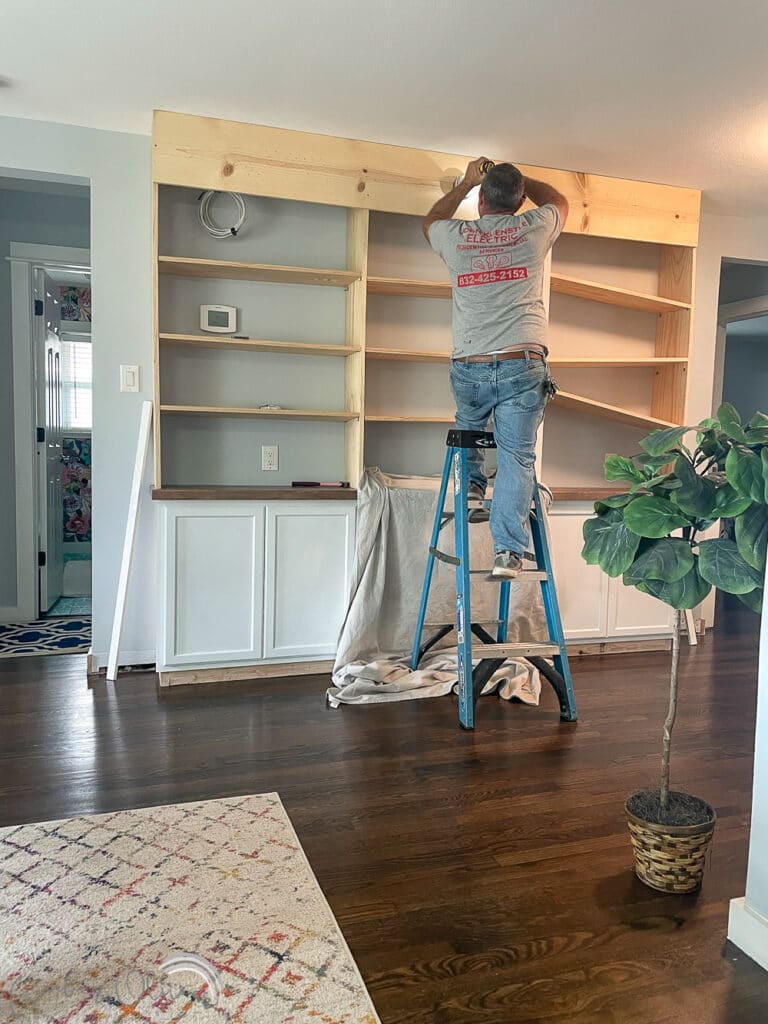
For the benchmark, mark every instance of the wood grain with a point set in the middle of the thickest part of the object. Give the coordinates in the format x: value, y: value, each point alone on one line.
x: 234, y: 270
x: 201, y: 152
x: 204, y: 492
x: 479, y: 878
x: 304, y: 348
x: 275, y: 414
x: 612, y: 295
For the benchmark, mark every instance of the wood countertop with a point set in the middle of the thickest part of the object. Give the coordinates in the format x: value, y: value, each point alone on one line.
x: 225, y: 493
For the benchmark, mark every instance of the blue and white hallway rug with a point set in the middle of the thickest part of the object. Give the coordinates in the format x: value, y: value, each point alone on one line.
x: 46, y: 636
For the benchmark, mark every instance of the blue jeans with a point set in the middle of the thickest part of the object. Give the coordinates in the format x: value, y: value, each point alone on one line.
x: 515, y: 392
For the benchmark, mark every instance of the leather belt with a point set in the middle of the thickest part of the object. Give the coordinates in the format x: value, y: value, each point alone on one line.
x: 500, y: 357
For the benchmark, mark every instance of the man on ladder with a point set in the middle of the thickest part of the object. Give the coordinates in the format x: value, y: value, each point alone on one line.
x: 499, y: 362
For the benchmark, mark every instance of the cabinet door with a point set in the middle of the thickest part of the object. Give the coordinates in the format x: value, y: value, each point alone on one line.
x: 633, y: 614
x: 212, y: 610
x: 308, y: 566
x: 582, y: 589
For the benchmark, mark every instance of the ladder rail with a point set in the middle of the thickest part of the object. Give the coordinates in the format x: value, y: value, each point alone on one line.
x: 415, y: 656
x: 463, y: 591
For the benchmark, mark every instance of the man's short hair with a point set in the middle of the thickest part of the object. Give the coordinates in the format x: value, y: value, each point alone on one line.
x: 503, y: 187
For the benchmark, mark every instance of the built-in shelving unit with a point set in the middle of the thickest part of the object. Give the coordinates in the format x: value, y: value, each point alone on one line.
x: 332, y: 279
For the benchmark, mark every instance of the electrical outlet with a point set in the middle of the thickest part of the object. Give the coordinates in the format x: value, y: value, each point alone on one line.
x: 269, y: 457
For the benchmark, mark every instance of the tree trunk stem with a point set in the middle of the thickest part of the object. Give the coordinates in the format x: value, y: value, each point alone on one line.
x: 671, y: 713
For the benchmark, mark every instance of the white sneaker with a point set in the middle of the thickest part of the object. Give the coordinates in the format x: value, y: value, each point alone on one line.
x: 506, y: 566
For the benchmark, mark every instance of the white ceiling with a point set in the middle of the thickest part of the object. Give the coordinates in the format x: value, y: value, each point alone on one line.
x: 664, y: 90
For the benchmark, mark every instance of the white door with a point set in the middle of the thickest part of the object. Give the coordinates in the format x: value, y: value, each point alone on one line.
x: 308, y: 569
x: 634, y: 614
x: 50, y: 529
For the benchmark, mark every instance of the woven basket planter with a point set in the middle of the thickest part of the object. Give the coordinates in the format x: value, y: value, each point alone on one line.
x: 670, y: 858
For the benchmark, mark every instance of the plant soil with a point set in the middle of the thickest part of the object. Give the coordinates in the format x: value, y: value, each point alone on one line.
x: 683, y: 809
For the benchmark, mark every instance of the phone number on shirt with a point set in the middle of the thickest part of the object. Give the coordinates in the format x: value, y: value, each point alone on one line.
x: 492, y: 276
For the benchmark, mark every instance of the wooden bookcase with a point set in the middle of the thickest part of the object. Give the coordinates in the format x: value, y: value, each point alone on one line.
x: 344, y: 318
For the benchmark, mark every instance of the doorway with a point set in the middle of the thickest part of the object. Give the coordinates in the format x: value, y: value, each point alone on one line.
x: 46, y: 347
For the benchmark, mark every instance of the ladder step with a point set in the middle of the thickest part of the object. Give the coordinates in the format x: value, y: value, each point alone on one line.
x: 517, y: 650
x: 526, y: 576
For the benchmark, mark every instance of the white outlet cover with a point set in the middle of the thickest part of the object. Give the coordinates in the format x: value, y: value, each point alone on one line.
x: 269, y: 457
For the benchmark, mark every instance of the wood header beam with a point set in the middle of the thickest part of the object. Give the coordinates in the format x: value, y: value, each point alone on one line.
x: 204, y: 152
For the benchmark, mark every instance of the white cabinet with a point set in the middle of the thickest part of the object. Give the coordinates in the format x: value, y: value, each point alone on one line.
x: 308, y: 567
x: 244, y: 582
x: 592, y: 605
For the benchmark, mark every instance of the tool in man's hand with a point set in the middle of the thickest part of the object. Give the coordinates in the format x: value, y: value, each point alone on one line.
x: 485, y: 166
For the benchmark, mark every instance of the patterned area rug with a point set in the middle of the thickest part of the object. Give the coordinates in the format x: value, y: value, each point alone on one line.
x: 46, y: 636
x: 185, y: 914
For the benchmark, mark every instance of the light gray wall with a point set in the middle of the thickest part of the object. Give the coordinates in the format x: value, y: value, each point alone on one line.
x: 119, y: 169
x: 25, y: 216
x: 745, y: 379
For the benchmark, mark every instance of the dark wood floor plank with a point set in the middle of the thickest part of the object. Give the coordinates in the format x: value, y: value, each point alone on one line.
x: 480, y: 878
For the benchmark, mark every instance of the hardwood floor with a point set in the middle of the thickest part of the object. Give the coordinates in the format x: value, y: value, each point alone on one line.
x: 478, y: 877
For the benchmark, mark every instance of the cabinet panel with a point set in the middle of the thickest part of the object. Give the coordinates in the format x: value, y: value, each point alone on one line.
x: 633, y: 614
x: 308, y: 566
x: 582, y: 589
x: 213, y: 607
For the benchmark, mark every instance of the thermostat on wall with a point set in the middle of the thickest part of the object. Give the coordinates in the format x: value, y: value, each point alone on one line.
x: 218, y: 319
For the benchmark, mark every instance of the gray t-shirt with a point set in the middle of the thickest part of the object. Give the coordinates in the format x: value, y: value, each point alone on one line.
x: 496, y: 265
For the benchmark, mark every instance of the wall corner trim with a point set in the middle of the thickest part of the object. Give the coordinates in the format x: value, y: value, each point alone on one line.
x: 749, y: 931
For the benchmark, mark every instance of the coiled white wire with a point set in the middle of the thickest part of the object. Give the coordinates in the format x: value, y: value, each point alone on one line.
x: 208, y: 224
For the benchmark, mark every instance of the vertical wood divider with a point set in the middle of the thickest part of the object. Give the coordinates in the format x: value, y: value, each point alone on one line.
x: 357, y: 259
x: 157, y: 454
x: 669, y: 398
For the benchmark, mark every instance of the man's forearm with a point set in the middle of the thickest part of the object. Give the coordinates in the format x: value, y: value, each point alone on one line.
x: 540, y: 193
x: 445, y: 208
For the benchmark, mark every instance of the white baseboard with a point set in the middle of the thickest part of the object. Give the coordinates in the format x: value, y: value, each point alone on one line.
x: 99, y: 659
x: 749, y: 931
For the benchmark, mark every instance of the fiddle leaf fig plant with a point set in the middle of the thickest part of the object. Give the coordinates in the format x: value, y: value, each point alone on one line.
x: 657, y: 534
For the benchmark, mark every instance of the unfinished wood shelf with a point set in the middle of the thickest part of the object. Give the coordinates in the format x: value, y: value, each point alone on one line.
x: 256, y: 345
x: 406, y: 287
x: 233, y: 270
x: 387, y: 418
x: 613, y: 296
x: 277, y: 414
x: 424, y: 356
x: 611, y: 412
x: 561, y: 283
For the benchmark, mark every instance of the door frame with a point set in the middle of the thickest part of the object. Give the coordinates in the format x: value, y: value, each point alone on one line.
x: 23, y: 258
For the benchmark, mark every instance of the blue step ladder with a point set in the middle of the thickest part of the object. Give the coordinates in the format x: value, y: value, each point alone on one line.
x: 492, y: 652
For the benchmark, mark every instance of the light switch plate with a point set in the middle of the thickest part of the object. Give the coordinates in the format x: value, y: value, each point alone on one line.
x: 129, y: 378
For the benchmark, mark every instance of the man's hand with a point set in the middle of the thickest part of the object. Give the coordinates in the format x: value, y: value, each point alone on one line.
x: 445, y: 208
x: 474, y: 174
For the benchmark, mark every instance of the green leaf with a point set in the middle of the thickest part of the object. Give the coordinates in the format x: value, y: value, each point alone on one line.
x: 752, y: 536
x: 745, y: 473
x: 616, y: 467
x: 764, y: 464
x: 753, y: 600
x: 660, y: 441
x: 730, y: 421
x: 668, y: 559
x: 757, y: 436
x: 653, y: 517
x: 647, y: 485
x: 729, y: 503
x: 708, y: 425
x: 613, y: 501
x: 651, y: 463
x: 758, y: 420
x: 695, y: 496
x: 684, y: 593
x: 721, y: 565
x: 608, y: 543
